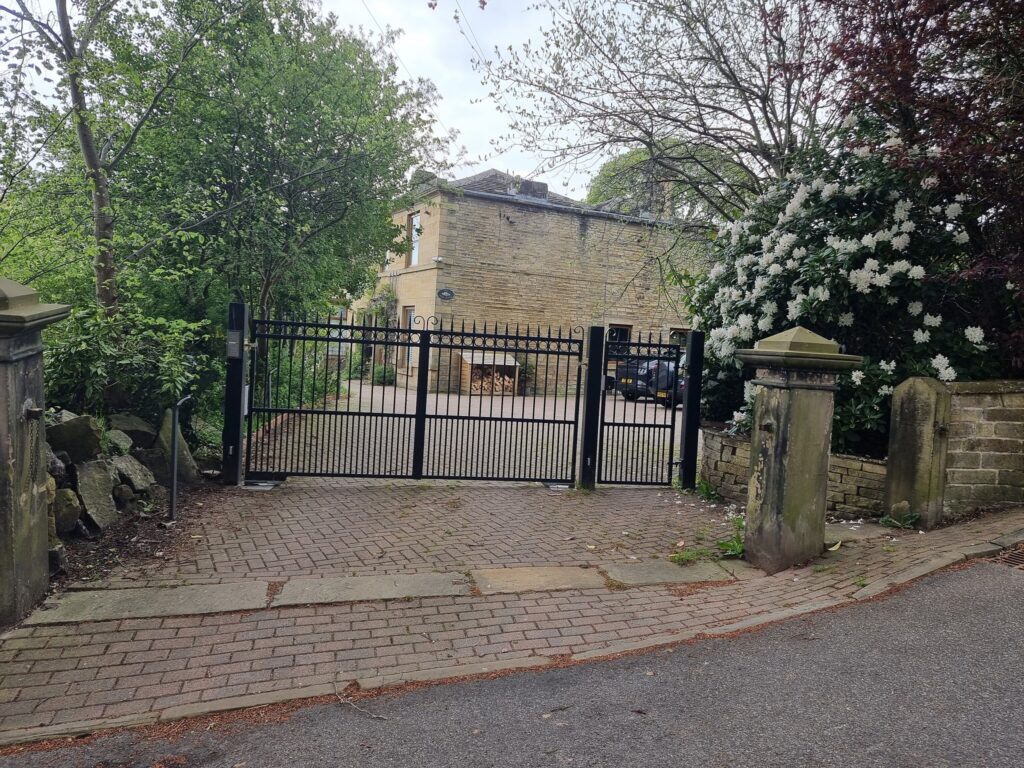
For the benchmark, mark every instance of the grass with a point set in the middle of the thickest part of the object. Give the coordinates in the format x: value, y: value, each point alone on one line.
x: 693, y: 555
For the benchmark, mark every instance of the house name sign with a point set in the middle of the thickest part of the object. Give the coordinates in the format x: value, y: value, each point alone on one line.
x: 446, y: 294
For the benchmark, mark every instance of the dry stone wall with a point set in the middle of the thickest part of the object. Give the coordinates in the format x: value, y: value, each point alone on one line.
x: 985, y: 459
x: 856, y: 485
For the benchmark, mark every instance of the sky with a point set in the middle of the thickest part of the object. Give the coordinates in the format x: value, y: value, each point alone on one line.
x: 433, y: 46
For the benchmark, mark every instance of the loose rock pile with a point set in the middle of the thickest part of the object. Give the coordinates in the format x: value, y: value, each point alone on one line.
x: 96, y: 476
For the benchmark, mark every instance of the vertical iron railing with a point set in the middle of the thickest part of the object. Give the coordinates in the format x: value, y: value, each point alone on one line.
x: 331, y: 398
x: 504, y: 403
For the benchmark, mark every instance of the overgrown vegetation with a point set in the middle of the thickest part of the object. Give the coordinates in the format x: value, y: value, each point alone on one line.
x: 247, y: 150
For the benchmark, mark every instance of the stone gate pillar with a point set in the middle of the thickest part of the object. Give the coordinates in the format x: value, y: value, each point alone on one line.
x: 24, y: 563
x: 789, y: 446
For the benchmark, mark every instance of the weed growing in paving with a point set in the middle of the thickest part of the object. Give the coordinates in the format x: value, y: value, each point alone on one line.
x: 906, y: 523
x: 703, y: 488
x: 693, y: 555
x: 731, y: 546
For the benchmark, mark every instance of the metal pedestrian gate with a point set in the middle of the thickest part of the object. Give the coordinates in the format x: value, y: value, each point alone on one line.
x: 431, y: 399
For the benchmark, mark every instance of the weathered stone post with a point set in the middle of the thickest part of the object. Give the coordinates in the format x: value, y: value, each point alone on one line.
x: 24, y: 563
x: 789, y: 446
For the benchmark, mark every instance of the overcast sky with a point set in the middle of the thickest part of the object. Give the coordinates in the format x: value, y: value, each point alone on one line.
x: 433, y: 46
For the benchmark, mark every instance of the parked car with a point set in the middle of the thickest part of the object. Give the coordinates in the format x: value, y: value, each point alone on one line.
x: 662, y: 389
x: 633, y: 376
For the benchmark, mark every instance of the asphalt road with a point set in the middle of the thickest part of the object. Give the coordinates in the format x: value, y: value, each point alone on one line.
x: 932, y: 676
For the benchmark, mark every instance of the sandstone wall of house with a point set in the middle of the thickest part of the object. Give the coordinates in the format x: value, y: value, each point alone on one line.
x: 985, y: 452
x: 510, y: 262
x: 856, y: 485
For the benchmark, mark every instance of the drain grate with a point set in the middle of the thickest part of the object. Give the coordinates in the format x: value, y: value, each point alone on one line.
x: 1014, y: 558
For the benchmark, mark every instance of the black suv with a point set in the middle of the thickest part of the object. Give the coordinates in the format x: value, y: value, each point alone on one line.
x: 633, y: 376
x: 660, y: 385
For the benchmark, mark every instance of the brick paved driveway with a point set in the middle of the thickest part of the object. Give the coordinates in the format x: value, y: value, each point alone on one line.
x: 330, y: 527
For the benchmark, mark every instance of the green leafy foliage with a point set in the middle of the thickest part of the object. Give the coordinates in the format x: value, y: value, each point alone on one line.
x: 733, y: 545
x: 692, y: 555
x: 96, y: 363
x: 383, y: 374
x: 907, y: 523
x: 854, y: 246
x: 251, y: 150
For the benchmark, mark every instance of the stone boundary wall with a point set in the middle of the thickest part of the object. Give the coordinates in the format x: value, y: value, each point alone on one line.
x: 985, y: 452
x: 856, y: 485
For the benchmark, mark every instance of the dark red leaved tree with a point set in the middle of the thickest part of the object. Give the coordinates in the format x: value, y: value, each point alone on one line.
x: 948, y: 77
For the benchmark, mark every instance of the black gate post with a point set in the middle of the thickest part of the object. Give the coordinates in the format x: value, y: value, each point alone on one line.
x: 234, y: 394
x: 593, y: 393
x: 691, y: 409
x: 422, y: 383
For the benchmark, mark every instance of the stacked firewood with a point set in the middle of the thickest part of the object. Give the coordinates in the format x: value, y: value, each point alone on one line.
x: 489, y: 381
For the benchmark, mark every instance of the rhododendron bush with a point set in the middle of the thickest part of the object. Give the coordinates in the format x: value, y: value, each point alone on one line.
x: 857, y: 247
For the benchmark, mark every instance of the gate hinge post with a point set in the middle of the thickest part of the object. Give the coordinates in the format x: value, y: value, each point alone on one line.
x: 593, y: 394
x: 691, y: 409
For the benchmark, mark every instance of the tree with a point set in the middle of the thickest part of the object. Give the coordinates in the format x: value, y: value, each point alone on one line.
x: 860, y: 249
x: 96, y: 41
x: 301, y: 156
x: 630, y: 183
x: 947, y: 78
x: 687, y: 83
x: 266, y: 170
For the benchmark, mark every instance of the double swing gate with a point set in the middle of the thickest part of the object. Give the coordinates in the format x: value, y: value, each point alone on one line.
x: 432, y: 399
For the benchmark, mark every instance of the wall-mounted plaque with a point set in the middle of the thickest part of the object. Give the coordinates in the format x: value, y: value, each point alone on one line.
x: 446, y: 294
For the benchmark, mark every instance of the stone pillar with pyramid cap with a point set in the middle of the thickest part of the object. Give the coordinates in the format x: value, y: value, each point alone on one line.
x: 24, y: 563
x: 789, y: 446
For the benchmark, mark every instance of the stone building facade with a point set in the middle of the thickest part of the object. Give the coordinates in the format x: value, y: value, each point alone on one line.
x: 492, y: 249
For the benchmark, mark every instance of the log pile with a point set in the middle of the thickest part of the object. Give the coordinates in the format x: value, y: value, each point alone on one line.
x: 489, y: 381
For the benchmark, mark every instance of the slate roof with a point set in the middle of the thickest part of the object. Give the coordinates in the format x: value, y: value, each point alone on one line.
x: 499, y: 183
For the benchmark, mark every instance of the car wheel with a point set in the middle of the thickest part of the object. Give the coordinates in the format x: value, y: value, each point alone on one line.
x: 630, y: 396
x: 669, y: 402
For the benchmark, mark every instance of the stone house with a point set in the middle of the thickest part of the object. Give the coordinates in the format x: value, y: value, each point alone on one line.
x: 495, y: 249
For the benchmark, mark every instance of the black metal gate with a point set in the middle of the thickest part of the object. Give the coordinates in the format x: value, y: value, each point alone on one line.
x: 638, y: 411
x: 429, y: 399
x: 328, y: 398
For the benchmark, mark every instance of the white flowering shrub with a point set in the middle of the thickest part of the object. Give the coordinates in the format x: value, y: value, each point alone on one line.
x: 856, y: 248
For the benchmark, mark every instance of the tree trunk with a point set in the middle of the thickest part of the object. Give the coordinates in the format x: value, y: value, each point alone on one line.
x: 104, y: 266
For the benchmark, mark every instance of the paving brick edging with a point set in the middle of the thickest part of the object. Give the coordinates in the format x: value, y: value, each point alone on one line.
x: 461, y: 671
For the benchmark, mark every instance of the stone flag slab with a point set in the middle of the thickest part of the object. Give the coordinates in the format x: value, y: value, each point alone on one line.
x: 362, y: 588
x: 150, y: 602
x: 664, y: 572
x: 497, y: 581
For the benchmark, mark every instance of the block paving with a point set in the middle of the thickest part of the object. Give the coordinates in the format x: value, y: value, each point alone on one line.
x: 55, y: 678
x: 316, y: 527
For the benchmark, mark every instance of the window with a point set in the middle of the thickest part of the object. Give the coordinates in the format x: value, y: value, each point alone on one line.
x: 414, y: 239
x: 678, y: 336
x: 618, y: 340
